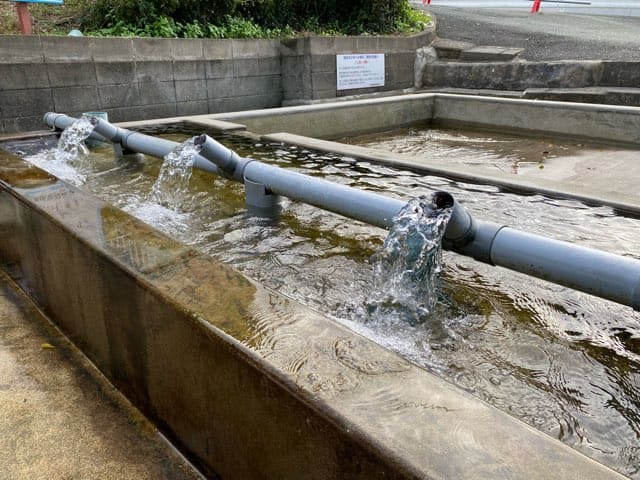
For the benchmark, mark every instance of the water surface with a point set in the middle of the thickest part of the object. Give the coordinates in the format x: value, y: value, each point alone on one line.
x: 562, y: 361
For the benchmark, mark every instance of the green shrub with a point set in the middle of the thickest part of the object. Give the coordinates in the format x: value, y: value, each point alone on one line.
x: 249, y: 18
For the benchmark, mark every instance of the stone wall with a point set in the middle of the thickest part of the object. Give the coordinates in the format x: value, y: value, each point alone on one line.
x: 142, y: 78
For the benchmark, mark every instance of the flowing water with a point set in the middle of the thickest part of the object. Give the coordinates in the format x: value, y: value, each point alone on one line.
x: 66, y: 159
x: 565, y: 362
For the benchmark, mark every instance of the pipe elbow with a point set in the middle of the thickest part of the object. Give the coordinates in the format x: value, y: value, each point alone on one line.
x: 461, y: 228
x: 51, y: 117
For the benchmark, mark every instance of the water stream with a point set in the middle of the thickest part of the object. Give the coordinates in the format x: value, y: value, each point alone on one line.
x: 406, y: 269
x: 66, y: 159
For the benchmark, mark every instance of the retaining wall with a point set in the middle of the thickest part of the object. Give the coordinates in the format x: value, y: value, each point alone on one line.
x: 143, y: 78
x: 523, y: 75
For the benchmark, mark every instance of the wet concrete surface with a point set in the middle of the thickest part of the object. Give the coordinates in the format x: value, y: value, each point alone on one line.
x: 59, y: 418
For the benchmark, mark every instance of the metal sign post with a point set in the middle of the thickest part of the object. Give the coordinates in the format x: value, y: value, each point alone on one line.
x: 24, y: 18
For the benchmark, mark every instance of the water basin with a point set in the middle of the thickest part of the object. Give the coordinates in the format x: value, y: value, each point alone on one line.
x: 564, y: 362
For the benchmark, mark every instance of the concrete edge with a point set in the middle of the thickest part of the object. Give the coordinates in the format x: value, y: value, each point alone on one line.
x: 539, y: 186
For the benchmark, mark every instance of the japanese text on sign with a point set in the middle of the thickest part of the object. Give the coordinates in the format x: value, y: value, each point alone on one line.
x: 359, y: 70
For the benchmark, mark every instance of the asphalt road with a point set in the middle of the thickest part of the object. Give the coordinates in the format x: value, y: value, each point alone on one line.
x: 545, y: 36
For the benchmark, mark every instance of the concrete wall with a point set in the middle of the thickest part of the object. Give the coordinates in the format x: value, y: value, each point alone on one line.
x: 314, y: 60
x: 335, y: 120
x: 142, y: 78
x: 523, y: 75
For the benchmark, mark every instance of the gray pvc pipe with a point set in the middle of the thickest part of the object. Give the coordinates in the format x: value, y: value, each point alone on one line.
x: 599, y: 273
x: 134, y: 141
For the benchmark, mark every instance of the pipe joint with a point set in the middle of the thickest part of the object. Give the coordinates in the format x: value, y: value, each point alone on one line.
x: 461, y: 228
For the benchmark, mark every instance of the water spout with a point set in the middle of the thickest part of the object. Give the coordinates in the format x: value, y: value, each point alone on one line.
x: 405, y: 271
x: 173, y: 181
x: 66, y: 158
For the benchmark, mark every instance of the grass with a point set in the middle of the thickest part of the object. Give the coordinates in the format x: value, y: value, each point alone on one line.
x: 46, y: 19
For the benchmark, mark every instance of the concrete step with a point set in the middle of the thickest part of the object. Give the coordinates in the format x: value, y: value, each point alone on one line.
x: 450, y: 49
x: 482, y: 53
x: 468, y: 52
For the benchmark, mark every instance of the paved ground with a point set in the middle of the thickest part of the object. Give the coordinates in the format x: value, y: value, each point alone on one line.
x: 59, y: 420
x: 545, y: 36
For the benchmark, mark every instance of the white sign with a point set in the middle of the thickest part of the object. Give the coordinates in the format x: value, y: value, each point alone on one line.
x: 360, y: 70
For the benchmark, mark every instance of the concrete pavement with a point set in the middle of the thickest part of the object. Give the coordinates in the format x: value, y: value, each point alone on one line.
x: 548, y: 36
x: 59, y: 418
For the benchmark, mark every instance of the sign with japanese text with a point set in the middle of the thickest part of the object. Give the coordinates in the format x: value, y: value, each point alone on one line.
x: 359, y: 70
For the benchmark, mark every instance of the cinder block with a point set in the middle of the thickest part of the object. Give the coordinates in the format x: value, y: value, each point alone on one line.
x: 321, y: 45
x: 249, y: 48
x: 270, y: 66
x: 367, y: 44
x: 113, y: 96
x: 75, y: 99
x: 23, y: 124
x: 219, y: 68
x: 22, y: 103
x: 323, y: 81
x: 105, y: 49
x: 244, y: 86
x: 220, y: 105
x: 71, y: 74
x: 152, y: 93
x: 19, y: 76
x: 21, y: 48
x: 293, y: 46
x: 154, y: 71
x: 295, y: 65
x: 124, y: 114
x: 323, y: 63
x: 234, y: 104
x: 186, y: 48
x: 246, y: 67
x: 190, y: 90
x: 345, y: 45
x: 220, y: 87
x: 217, y: 49
x: 67, y: 49
x: 157, y: 111
x: 189, y: 70
x: 146, y: 49
x: 109, y: 73
x: 199, y: 107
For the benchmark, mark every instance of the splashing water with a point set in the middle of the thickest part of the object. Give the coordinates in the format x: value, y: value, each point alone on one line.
x: 172, y: 185
x: 70, y: 145
x: 405, y: 271
x: 66, y: 159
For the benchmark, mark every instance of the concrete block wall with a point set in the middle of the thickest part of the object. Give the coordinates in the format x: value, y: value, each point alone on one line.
x: 143, y: 78
x: 522, y: 75
x: 313, y: 60
x: 133, y: 78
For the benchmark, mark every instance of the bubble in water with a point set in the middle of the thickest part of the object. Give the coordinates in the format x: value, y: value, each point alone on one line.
x: 405, y: 271
x: 172, y: 184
